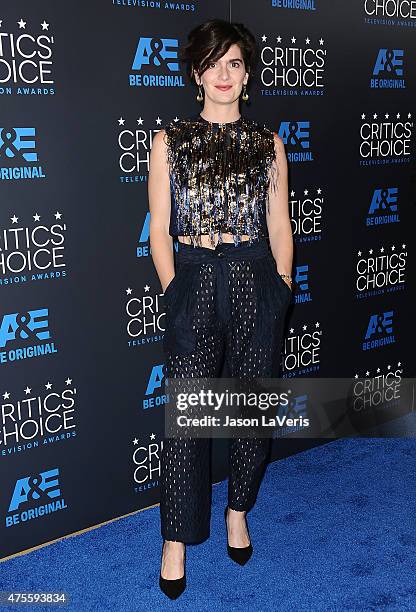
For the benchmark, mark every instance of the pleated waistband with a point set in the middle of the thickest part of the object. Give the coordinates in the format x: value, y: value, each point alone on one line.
x: 189, y: 254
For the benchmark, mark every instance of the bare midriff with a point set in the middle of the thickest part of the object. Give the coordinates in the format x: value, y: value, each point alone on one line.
x: 206, y: 241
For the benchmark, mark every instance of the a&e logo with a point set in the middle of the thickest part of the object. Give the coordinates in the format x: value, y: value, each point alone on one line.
x: 383, y: 207
x: 379, y: 331
x: 155, y: 63
x: 20, y: 327
x: 18, y: 155
x: 35, y: 496
x: 296, y: 135
x: 388, y: 70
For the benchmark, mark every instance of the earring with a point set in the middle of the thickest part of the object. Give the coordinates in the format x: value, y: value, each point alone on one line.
x: 245, y: 94
x: 199, y: 97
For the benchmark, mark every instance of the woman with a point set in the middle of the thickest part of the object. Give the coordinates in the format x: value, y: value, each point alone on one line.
x: 217, y: 182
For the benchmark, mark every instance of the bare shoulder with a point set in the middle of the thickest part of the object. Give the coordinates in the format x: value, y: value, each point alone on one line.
x: 159, y: 140
x: 278, y: 143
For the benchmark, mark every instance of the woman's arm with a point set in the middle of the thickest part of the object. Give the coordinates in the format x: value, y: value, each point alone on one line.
x: 278, y: 220
x: 161, y: 243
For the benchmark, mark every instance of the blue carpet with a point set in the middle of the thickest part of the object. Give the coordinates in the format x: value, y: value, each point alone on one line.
x: 333, y: 529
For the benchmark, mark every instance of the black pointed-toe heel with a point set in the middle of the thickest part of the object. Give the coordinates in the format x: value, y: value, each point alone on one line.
x: 239, y: 555
x: 173, y: 588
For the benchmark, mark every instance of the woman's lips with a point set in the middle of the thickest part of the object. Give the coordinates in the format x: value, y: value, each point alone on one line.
x: 223, y: 87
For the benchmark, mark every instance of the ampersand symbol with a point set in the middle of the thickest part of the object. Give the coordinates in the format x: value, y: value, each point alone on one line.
x: 380, y: 323
x: 9, y: 137
x: 388, y: 64
x: 293, y: 128
x: 34, y: 483
x: 156, y: 46
x: 22, y: 319
x: 383, y: 199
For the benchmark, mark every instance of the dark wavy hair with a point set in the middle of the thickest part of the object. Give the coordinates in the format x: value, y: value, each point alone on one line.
x: 211, y: 40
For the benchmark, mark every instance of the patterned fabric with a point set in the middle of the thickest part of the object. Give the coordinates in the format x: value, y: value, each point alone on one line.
x: 227, y: 303
x: 220, y: 175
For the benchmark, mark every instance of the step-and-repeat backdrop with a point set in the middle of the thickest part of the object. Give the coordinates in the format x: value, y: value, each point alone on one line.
x: 84, y: 88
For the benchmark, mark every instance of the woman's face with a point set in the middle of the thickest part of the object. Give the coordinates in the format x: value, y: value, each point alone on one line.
x: 223, y: 79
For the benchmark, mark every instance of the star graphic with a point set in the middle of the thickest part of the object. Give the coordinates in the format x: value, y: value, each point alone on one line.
x: 58, y: 215
x: 128, y: 291
x: 21, y: 24
x: 121, y: 121
x: 14, y: 219
x: 44, y: 25
x: 36, y: 217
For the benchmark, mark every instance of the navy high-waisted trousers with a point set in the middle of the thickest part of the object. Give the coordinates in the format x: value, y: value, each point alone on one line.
x: 227, y: 303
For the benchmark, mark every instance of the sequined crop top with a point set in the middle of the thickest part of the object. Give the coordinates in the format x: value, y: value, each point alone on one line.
x: 219, y: 176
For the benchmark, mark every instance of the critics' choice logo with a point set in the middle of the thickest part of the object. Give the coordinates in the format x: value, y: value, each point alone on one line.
x: 390, y: 12
x: 301, y: 350
x: 379, y: 331
x: 32, y: 253
x: 146, y: 317
x: 384, y: 207
x: 39, y: 418
x: 146, y: 463
x: 26, y: 58
x: 306, y: 214
x: 18, y: 154
x: 25, y: 335
x: 292, y: 64
x: 296, y: 136
x: 34, y: 497
x: 134, y: 146
x: 380, y: 272
x: 155, y: 63
x: 385, y: 139
x: 370, y: 391
x: 388, y: 70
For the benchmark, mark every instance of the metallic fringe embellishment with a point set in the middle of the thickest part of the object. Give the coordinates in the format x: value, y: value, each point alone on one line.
x: 220, y: 177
